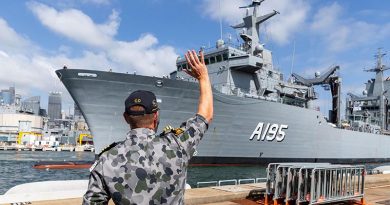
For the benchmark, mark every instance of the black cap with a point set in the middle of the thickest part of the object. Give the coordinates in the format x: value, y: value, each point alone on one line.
x: 143, y: 98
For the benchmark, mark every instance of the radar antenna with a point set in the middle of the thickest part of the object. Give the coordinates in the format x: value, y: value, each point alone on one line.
x: 254, y: 4
x: 251, y: 25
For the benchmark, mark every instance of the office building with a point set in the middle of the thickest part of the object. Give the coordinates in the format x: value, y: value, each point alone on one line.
x: 7, y: 97
x: 32, y: 105
x: 54, y: 106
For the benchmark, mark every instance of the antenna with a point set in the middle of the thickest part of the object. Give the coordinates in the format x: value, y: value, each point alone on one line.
x: 220, y: 18
x: 292, y: 60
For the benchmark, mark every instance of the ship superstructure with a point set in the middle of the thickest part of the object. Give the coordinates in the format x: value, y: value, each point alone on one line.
x: 370, y: 112
x: 258, y: 117
x: 247, y: 70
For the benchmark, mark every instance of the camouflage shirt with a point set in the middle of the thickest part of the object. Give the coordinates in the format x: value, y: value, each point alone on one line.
x: 146, y: 168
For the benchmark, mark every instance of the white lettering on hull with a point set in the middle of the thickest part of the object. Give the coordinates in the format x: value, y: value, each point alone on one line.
x: 270, y: 133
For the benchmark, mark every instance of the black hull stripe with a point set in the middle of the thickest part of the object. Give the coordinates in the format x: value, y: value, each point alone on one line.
x: 231, y: 161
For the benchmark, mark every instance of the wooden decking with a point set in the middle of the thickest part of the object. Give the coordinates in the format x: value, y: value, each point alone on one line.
x: 377, y: 192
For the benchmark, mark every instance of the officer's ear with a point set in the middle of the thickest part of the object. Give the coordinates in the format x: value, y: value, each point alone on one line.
x: 126, y: 116
x: 156, y: 115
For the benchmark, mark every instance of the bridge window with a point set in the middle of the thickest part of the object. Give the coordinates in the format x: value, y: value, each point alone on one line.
x: 184, y: 66
x: 206, y: 61
x: 179, y: 67
x: 225, y: 56
x: 212, y: 60
x: 219, y: 58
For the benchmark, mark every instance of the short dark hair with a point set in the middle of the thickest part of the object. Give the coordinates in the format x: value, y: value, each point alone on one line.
x: 139, y: 121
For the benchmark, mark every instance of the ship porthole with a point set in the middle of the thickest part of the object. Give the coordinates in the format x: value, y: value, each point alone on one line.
x: 159, y: 83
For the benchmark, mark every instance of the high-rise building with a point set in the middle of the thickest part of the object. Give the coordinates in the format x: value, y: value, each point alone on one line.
x: 7, y: 97
x: 55, y: 106
x: 32, y: 105
x: 12, y: 91
x: 18, y: 98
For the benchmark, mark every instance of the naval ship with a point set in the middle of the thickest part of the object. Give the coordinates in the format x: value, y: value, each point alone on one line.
x: 258, y: 116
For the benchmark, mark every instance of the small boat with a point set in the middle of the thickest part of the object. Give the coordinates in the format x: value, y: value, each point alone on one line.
x: 63, y: 165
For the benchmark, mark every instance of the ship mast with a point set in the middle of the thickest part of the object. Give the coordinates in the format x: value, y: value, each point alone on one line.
x: 251, y: 25
x: 379, y: 86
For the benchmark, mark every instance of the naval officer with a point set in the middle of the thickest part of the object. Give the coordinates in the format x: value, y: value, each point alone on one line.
x: 148, y: 168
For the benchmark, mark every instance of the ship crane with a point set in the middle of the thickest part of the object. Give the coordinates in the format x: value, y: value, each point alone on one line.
x: 330, y: 80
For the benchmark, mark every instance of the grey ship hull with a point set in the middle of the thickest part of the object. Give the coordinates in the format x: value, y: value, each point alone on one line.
x: 100, y: 96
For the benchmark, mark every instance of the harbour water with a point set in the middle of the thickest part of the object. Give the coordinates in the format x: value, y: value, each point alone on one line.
x: 16, y: 168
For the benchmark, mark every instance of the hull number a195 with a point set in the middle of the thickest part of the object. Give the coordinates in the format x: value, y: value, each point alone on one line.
x: 269, y: 132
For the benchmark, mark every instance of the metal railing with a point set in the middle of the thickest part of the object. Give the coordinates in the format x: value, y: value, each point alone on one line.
x: 258, y: 180
x: 314, y: 183
x: 251, y: 181
x: 336, y: 184
x: 227, y: 181
x: 230, y: 182
x: 272, y: 172
x: 210, y: 182
x: 307, y: 183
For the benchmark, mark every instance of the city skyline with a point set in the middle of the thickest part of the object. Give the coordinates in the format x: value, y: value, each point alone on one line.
x: 35, y: 104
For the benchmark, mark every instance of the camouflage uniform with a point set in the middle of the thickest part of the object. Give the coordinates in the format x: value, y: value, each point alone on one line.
x: 146, y: 168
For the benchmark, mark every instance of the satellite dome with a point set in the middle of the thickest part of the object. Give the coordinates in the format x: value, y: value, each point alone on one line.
x: 220, y: 43
x: 259, y: 48
x: 317, y: 74
x: 364, y: 92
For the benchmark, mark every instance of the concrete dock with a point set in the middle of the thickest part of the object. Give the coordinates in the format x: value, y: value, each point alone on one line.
x: 377, y: 192
x: 41, y: 148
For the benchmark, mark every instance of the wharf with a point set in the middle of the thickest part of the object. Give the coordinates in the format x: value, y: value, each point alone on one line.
x: 58, y: 149
x: 377, y: 192
x: 8, y: 148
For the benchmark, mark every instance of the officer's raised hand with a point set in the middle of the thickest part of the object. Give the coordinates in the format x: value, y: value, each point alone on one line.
x: 198, y: 67
x: 199, y: 71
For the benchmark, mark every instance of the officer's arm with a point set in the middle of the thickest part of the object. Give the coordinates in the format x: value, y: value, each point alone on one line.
x: 194, y: 129
x: 200, y: 72
x: 96, y: 193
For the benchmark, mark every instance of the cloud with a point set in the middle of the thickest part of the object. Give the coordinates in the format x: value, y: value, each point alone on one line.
x: 280, y: 28
x: 226, y: 10
x: 27, y: 72
x: 98, y: 2
x: 76, y: 25
x: 143, y: 55
x: 326, y: 17
x: 374, y: 13
x: 10, y: 41
x: 23, y: 64
x: 340, y: 33
x: 31, y: 68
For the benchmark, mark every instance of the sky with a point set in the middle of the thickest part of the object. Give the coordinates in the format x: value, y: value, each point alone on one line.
x: 146, y: 36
